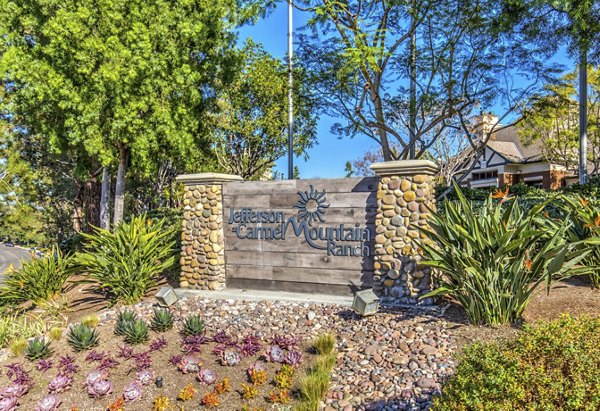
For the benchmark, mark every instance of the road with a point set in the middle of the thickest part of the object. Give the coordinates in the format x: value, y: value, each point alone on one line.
x: 11, y: 255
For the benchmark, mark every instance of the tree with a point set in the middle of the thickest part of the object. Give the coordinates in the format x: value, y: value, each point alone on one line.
x: 114, y: 82
x: 553, y: 120
x: 359, y: 56
x: 249, y: 132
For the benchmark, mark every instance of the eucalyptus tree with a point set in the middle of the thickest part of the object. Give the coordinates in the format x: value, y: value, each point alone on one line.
x: 359, y: 54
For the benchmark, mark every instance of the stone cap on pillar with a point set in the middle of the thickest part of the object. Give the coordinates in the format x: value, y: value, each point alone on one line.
x: 404, y: 168
x: 207, y: 178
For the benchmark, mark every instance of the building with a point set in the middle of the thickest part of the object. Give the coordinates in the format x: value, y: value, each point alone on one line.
x: 507, y: 161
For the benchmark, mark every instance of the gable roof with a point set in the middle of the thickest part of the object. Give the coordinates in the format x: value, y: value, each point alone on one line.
x: 507, y: 143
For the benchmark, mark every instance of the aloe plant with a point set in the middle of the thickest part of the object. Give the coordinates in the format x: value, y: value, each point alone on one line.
x: 491, y: 261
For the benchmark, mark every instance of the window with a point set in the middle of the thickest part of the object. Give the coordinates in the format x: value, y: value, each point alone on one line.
x: 486, y: 175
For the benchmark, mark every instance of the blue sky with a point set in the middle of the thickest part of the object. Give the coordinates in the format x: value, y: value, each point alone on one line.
x: 328, y: 157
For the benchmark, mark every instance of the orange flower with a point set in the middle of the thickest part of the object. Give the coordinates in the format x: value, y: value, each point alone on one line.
x: 528, y: 264
x: 583, y: 201
x: 595, y: 224
x: 500, y: 194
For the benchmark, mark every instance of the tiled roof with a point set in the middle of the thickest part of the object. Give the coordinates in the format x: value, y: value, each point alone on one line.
x: 507, y: 143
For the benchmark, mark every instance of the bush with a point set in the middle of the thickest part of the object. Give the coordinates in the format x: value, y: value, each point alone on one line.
x: 39, y: 280
x: 492, y: 261
x: 550, y: 366
x: 127, y: 262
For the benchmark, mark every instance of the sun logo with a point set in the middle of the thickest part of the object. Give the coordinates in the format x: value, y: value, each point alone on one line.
x: 311, y: 206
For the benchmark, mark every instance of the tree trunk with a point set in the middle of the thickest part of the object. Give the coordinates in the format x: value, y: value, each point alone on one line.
x: 583, y: 116
x: 77, y: 216
x: 92, y: 195
x: 120, y: 186
x: 105, y: 200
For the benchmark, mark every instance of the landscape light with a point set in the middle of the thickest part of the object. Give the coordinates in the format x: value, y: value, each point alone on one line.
x: 365, y: 302
x: 166, y: 296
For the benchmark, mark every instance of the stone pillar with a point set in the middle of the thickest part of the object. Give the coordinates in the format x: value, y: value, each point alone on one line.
x: 405, y: 192
x: 202, y: 237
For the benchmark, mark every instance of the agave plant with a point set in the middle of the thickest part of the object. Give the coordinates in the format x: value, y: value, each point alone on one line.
x: 48, y: 403
x: 206, y: 376
x: 125, y: 316
x: 100, y: 388
x: 275, y: 353
x: 293, y: 358
x: 193, y: 325
x: 15, y: 390
x: 162, y: 320
x: 59, y: 384
x: 94, y: 376
x: 189, y: 364
x: 144, y: 377
x: 492, y: 260
x: 230, y: 357
x: 38, y: 348
x: 82, y: 337
x: 135, y: 332
x: 132, y: 391
x: 9, y: 403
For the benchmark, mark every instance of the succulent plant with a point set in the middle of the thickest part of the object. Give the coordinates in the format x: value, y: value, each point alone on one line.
x: 287, y: 343
x: 91, y: 320
x: 132, y: 391
x: 100, y: 388
x: 125, y: 351
x: 206, y: 376
x: 9, y: 403
x: 48, y: 403
x: 175, y: 360
x: 189, y: 364
x: 192, y: 343
x: 142, y: 361
x: 157, y: 344
x: 95, y: 356
x: 82, y: 337
x: 275, y: 353
x: 43, y: 365
x: 293, y: 358
x: 108, y: 362
x: 231, y: 357
x: 135, y: 332
x: 162, y: 320
x: 60, y: 383
x: 67, y: 365
x: 144, y: 377
x: 94, y: 376
x: 15, y: 390
x: 38, y: 348
x: 17, y: 374
x: 193, y: 325
x: 250, y: 346
x: 125, y: 316
x: 221, y: 337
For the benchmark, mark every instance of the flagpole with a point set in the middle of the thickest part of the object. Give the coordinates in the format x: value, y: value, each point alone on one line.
x: 290, y: 94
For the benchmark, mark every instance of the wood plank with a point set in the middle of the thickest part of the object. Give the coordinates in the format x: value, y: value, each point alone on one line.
x: 294, y: 287
x: 300, y: 275
x: 298, y: 260
x: 289, y: 245
x: 287, y: 201
x: 331, y: 185
x: 333, y: 215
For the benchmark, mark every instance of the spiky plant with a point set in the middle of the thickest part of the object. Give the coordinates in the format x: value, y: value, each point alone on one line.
x: 162, y: 320
x: 91, y: 320
x: 135, y: 332
x: 125, y: 316
x: 81, y: 337
x: 193, y: 325
x: 38, y: 349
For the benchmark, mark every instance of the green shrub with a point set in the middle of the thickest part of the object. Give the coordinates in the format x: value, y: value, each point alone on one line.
x: 19, y: 326
x: 315, y: 383
x: 39, y: 280
x: 127, y: 262
x: 550, y: 366
x: 490, y: 262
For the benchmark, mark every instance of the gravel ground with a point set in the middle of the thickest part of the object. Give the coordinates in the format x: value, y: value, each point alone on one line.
x: 395, y: 360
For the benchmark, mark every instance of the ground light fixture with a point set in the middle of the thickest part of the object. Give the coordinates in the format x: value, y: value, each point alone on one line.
x: 166, y: 296
x: 365, y: 302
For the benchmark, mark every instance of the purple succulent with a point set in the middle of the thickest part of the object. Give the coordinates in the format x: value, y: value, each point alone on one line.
x: 100, y: 388
x: 206, y: 376
x: 94, y: 376
x: 275, y: 353
x: 48, y: 403
x: 221, y: 337
x: 132, y: 391
x: 60, y: 383
x: 293, y: 358
x: 108, y: 362
x: 43, y: 365
x: 257, y: 366
x: 125, y: 351
x: 15, y: 390
x: 158, y: 344
x: 285, y: 342
x: 142, y: 361
x: 9, y: 403
x: 95, y: 356
x: 67, y: 365
x: 231, y: 357
x: 145, y: 377
x: 175, y: 360
x: 189, y: 364
x: 17, y: 373
x: 192, y: 343
x: 250, y: 346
